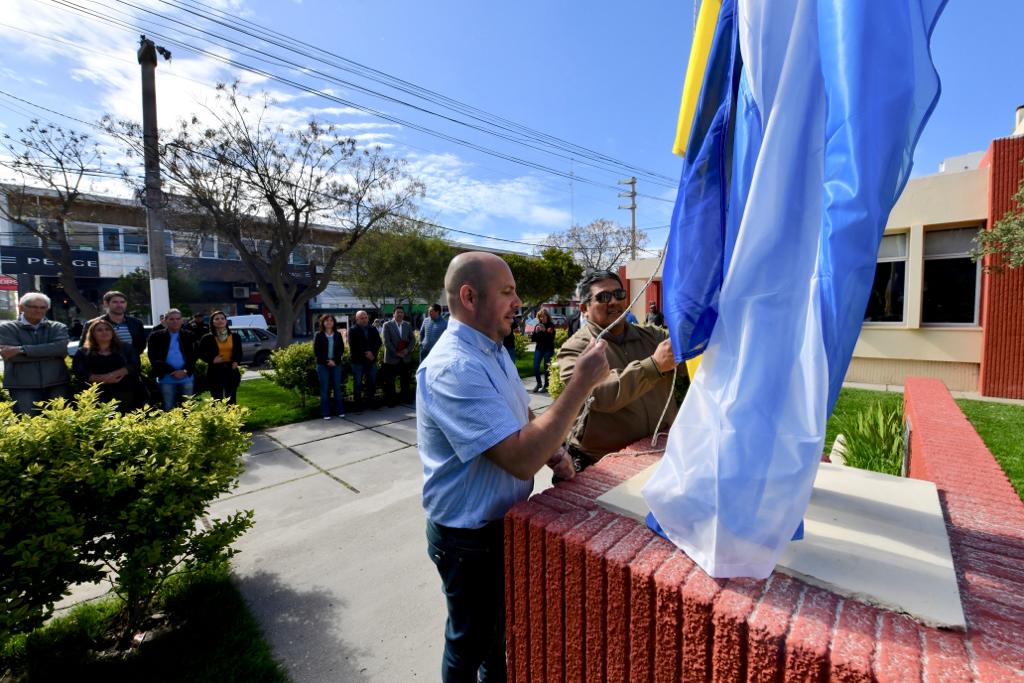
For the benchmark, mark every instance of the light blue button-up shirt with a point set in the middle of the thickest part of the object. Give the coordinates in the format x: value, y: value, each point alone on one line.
x: 468, y: 398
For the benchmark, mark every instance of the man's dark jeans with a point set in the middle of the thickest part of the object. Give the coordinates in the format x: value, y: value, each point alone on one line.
x: 471, y: 563
x: 370, y: 371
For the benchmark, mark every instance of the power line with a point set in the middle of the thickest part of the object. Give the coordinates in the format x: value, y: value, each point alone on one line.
x: 295, y: 45
x: 302, y: 188
x: 318, y: 93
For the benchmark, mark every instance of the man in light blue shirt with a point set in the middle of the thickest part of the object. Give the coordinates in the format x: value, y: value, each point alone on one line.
x: 480, y: 446
x: 431, y: 329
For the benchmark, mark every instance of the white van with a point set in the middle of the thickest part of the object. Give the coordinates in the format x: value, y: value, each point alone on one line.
x: 253, y: 320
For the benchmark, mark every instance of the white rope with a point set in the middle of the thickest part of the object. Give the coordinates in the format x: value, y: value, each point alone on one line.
x: 585, y: 412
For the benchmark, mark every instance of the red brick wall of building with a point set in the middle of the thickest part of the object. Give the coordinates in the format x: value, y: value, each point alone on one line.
x: 1002, y: 308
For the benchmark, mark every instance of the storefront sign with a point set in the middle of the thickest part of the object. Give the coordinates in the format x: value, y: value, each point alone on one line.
x: 32, y: 261
x: 8, y: 283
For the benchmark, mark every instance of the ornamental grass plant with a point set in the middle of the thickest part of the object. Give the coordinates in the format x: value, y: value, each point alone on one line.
x: 874, y: 437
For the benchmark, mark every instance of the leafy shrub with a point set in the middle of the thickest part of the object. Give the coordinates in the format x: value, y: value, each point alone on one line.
x: 874, y: 438
x: 295, y: 370
x: 555, y: 384
x: 561, y: 336
x: 521, y: 345
x: 88, y: 489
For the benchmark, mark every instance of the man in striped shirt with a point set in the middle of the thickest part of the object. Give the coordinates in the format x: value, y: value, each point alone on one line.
x: 129, y: 329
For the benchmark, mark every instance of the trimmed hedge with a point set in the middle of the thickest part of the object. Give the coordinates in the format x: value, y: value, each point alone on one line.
x: 87, y: 493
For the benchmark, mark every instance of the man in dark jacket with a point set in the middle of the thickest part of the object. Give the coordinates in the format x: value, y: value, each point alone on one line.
x: 33, y: 349
x: 172, y: 351
x: 129, y: 329
x: 364, y: 344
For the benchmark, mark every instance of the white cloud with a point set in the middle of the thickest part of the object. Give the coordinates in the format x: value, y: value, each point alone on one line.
x: 480, y: 203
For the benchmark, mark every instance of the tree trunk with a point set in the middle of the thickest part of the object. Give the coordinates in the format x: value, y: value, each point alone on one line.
x: 285, y: 316
x: 67, y: 281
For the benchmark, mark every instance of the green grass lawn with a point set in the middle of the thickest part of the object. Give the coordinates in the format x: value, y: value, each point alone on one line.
x: 1001, y: 427
x: 269, y: 405
x: 214, y: 638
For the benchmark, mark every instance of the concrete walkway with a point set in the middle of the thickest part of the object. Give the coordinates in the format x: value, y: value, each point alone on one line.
x: 335, y: 568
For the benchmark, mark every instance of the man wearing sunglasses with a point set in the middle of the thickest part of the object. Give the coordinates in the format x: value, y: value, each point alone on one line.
x: 628, y: 403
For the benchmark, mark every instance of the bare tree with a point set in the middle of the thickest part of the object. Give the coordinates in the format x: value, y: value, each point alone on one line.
x: 53, y: 165
x: 600, y: 245
x: 272, y: 192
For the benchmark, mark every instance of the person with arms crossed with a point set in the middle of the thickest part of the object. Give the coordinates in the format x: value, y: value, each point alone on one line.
x: 480, y: 446
x: 33, y: 349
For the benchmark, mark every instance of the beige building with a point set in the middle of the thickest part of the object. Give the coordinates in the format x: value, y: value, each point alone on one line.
x: 924, y: 315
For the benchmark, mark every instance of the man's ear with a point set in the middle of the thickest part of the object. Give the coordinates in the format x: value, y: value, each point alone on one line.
x: 583, y: 307
x: 468, y: 297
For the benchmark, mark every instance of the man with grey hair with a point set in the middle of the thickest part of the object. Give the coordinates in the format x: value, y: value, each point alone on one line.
x: 480, y: 445
x: 33, y: 349
x: 364, y: 344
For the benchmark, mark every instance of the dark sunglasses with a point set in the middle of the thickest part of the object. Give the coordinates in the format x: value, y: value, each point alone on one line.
x: 605, y: 297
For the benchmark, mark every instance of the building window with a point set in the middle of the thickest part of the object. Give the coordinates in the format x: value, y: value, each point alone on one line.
x: 226, y: 251
x: 208, y: 248
x: 111, y: 239
x: 134, y: 242
x: 885, y: 305
x: 83, y: 236
x: 298, y: 257
x: 951, y: 279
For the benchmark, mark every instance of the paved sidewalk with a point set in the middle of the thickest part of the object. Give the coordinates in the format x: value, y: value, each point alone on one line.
x: 335, y: 568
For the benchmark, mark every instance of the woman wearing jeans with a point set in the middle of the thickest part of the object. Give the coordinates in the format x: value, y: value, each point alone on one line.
x: 329, y: 347
x: 544, y: 339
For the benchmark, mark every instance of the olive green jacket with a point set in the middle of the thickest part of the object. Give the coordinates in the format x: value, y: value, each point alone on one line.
x: 628, y: 403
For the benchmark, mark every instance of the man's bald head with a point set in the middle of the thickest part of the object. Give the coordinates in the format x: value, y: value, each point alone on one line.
x: 473, y: 268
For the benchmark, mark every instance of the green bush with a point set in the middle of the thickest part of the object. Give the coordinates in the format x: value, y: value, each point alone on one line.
x: 874, y: 438
x: 86, y: 490
x: 521, y: 345
x: 295, y: 370
x: 561, y: 336
x: 555, y: 384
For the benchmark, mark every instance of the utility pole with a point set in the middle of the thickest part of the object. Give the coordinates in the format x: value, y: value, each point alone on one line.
x: 632, y: 211
x: 159, y: 294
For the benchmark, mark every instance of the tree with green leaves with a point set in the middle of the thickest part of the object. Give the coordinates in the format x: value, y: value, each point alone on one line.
x: 135, y: 286
x: 1006, y: 238
x: 53, y: 166
x: 552, y: 274
x: 403, y: 262
x: 291, y: 202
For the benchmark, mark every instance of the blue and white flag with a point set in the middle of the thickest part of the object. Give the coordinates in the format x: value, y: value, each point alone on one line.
x: 816, y: 110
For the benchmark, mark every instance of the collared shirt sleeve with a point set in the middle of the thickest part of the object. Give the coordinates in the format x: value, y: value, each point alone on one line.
x: 471, y: 413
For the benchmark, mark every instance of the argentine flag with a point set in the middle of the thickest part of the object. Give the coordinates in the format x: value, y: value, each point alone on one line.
x: 795, y: 150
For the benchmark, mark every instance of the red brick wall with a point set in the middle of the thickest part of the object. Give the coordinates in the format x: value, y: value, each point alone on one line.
x: 593, y: 596
x: 1002, y: 308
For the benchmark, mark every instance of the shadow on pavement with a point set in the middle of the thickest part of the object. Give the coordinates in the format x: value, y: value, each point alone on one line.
x: 300, y: 627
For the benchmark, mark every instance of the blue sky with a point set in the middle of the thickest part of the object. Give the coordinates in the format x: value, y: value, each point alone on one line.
x: 603, y: 75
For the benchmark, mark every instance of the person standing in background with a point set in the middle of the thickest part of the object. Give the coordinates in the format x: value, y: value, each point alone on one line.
x: 221, y: 350
x: 329, y: 347
x: 433, y: 326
